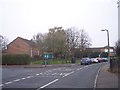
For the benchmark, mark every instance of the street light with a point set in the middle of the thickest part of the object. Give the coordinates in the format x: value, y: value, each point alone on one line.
x: 108, y: 42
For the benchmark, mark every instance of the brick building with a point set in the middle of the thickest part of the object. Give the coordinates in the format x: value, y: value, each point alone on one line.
x: 102, y: 49
x: 22, y: 46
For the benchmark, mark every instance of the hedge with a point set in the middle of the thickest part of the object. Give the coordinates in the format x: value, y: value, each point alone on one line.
x: 18, y: 59
x: 115, y: 64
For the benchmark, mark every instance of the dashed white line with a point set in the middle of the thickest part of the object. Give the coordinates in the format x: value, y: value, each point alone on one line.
x: 1, y: 85
x: 16, y: 80
x: 23, y: 78
x: 62, y: 74
x: 48, y: 84
x: 40, y: 73
x: 8, y: 82
x: 29, y: 76
x: 37, y: 74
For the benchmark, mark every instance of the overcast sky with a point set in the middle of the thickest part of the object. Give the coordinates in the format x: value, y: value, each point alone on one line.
x: 26, y: 18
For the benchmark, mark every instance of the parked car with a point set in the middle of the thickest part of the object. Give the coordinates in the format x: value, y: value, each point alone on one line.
x: 105, y: 59
x: 99, y: 60
x: 94, y: 60
x: 85, y: 61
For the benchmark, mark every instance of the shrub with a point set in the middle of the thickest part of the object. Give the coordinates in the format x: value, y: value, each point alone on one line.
x: 18, y: 59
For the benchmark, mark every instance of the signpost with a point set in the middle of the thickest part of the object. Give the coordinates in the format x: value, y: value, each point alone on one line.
x: 47, y: 56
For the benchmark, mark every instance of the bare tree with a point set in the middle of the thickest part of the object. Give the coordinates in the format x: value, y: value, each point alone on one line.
x: 84, y: 42
x: 72, y: 36
x: 39, y: 39
x: 3, y: 43
x: 77, y: 39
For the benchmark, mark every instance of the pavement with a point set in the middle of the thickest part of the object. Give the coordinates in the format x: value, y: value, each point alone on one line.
x: 107, y: 79
x: 38, y: 66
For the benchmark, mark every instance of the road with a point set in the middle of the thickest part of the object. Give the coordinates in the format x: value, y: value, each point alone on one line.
x: 75, y: 76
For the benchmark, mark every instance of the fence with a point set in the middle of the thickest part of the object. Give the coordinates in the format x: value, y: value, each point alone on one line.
x: 115, y: 64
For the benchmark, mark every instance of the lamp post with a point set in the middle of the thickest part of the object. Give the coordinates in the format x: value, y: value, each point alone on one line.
x: 108, y: 42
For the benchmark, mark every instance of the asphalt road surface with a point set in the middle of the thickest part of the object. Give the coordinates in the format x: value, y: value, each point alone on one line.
x: 75, y: 76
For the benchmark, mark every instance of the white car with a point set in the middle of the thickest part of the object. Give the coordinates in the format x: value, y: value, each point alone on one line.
x: 94, y: 60
x: 105, y: 59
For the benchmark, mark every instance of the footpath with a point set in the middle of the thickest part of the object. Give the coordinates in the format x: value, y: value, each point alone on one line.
x: 107, y: 79
x: 38, y: 66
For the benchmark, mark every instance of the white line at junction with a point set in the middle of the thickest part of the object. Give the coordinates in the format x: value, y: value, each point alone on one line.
x: 48, y: 84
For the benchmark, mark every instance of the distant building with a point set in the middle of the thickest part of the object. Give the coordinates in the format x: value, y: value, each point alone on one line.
x: 102, y: 50
x: 22, y: 46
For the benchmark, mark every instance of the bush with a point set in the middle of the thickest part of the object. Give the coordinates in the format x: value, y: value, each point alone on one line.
x: 19, y: 59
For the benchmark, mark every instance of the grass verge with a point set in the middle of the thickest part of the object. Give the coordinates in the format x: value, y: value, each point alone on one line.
x: 54, y: 61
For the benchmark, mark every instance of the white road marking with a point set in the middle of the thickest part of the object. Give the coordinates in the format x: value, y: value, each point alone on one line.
x: 68, y: 74
x: 16, y: 80
x: 62, y: 74
x: 48, y: 84
x: 23, y: 78
x: 79, y: 69
x: 37, y: 74
x: 1, y: 85
x: 96, y: 78
x: 40, y: 73
x: 8, y: 82
x: 29, y: 76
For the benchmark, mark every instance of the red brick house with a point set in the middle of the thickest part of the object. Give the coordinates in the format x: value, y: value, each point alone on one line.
x: 22, y: 46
